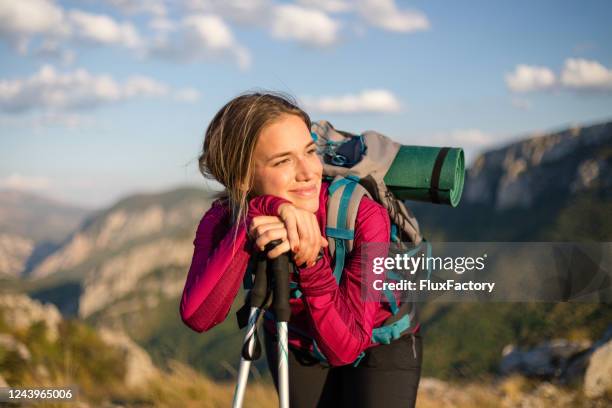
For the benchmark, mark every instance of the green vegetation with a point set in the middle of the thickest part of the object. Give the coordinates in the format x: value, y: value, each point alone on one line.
x: 465, y: 341
x: 78, y: 356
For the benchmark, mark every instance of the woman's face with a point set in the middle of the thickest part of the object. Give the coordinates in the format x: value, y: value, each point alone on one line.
x: 286, y: 163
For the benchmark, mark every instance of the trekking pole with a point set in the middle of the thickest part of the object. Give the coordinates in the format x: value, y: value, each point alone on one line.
x: 280, y: 306
x: 258, y: 297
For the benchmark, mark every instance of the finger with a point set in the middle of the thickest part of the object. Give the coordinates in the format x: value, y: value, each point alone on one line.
x: 279, y: 249
x: 270, y: 235
x: 316, y: 233
x: 261, y: 220
x: 304, y: 233
x: 260, y: 230
x: 292, y: 231
x: 306, y: 239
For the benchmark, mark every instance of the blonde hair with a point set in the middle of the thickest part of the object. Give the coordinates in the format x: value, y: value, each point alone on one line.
x: 231, y: 137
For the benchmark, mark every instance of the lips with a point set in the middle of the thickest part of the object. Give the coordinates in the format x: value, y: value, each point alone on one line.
x: 305, y: 192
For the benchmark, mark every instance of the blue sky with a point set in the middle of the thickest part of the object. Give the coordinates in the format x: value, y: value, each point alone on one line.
x: 102, y: 98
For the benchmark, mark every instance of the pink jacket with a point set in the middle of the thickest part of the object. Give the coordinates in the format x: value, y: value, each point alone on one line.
x: 334, y: 315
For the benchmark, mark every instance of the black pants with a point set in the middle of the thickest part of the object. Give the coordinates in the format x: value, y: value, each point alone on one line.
x: 387, y: 376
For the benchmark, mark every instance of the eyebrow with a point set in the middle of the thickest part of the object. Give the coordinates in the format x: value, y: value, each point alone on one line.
x: 276, y: 156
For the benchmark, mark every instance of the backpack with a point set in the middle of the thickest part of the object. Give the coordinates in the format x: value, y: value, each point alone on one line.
x: 356, y: 166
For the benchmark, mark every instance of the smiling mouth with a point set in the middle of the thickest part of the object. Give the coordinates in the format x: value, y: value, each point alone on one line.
x: 305, y: 192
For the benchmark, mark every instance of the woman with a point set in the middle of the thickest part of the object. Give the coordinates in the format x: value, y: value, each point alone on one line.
x: 260, y: 148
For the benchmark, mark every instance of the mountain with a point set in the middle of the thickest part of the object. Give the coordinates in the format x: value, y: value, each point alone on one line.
x: 125, y: 266
x: 32, y: 226
x: 117, y: 251
x: 552, y: 187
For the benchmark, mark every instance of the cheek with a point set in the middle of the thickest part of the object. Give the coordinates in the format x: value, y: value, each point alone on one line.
x: 316, y: 165
x: 273, y: 181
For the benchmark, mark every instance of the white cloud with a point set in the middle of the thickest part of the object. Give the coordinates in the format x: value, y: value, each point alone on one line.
x: 385, y: 14
x: 200, y: 37
x: 247, y: 12
x: 20, y: 20
x: 526, y: 78
x: 577, y: 74
x: 307, y: 26
x: 42, y: 121
x: 144, y: 86
x: 368, y: 101
x: 27, y: 17
x: 586, y: 74
x: 162, y: 25
x: 329, y: 6
x: 49, y: 90
x: 210, y: 31
x: 23, y: 20
x: 187, y: 95
x: 25, y: 183
x: 102, y: 29
x: 130, y: 7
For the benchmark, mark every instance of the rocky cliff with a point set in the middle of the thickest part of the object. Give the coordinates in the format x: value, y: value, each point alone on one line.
x: 30, y: 227
x: 562, y: 163
x: 113, y: 251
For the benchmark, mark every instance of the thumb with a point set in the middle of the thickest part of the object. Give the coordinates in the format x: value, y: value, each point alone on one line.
x: 324, y: 242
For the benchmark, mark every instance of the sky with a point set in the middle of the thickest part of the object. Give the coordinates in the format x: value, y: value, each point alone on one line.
x: 100, y: 99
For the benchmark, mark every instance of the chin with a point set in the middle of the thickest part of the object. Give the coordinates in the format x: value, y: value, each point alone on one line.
x: 310, y: 205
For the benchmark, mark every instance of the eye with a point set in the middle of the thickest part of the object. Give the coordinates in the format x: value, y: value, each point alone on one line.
x: 312, y: 151
x: 280, y: 162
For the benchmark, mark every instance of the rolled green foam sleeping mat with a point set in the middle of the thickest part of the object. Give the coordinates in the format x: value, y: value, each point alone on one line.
x: 431, y: 174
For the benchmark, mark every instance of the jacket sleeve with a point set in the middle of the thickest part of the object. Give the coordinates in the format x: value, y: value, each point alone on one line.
x: 341, y: 318
x: 220, y: 256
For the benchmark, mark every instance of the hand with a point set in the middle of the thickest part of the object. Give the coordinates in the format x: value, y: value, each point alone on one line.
x: 264, y: 229
x: 303, y: 233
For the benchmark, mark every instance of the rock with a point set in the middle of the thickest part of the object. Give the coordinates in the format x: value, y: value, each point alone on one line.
x: 130, y: 220
x: 122, y: 274
x: 14, y: 253
x: 598, y: 377
x: 20, y: 312
x: 139, y: 367
x: 548, y: 360
x: 566, y: 162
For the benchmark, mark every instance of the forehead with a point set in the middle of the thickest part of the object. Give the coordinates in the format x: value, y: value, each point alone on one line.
x: 286, y: 134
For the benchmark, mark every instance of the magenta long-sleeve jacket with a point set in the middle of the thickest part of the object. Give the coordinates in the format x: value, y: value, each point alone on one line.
x: 335, y: 315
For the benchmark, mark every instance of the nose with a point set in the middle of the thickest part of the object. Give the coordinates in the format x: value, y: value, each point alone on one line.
x: 305, y: 170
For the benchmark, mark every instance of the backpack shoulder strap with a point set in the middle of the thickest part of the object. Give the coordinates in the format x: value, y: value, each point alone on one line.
x: 345, y: 194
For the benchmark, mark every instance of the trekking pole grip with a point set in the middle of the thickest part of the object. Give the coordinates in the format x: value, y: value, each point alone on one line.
x: 280, y: 271
x: 260, y: 284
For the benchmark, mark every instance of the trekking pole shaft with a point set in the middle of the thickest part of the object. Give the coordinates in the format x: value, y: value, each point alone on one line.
x: 283, y: 365
x: 280, y: 270
x: 257, y: 298
x: 245, y: 365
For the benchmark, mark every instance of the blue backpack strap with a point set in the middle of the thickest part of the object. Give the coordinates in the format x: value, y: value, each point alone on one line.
x: 386, y: 334
x: 393, y: 303
x: 345, y: 194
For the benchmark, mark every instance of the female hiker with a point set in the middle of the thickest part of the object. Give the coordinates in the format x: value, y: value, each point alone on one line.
x: 259, y: 147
